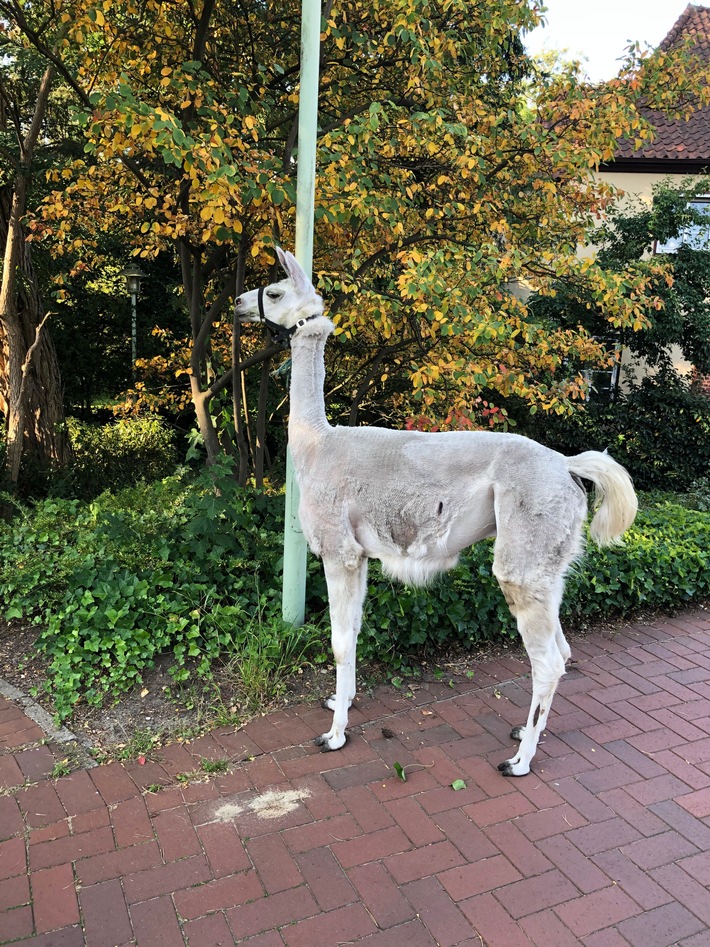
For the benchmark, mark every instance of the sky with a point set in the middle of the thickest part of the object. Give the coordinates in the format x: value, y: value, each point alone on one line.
x: 600, y: 30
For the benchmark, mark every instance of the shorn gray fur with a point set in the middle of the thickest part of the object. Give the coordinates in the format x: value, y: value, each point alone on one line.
x: 414, y: 500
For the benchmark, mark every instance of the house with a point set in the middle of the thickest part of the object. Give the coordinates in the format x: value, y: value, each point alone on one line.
x: 680, y: 147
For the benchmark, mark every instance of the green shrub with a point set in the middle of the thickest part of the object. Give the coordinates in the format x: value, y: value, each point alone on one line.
x: 118, y: 454
x: 184, y: 568
x: 660, y: 431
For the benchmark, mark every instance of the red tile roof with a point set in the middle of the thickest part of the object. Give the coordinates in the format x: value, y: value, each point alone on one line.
x: 678, y: 145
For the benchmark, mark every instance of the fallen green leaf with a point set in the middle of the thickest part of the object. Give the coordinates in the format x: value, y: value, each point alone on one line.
x: 458, y: 784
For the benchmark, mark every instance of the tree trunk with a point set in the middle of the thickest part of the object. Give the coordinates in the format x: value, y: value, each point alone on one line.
x: 30, y: 385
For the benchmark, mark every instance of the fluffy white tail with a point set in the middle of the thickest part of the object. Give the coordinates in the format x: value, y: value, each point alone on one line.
x: 615, y: 501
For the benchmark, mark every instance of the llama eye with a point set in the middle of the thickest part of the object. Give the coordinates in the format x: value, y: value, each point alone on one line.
x: 273, y: 295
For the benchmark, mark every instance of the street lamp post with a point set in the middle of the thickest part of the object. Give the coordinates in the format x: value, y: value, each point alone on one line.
x: 133, y: 275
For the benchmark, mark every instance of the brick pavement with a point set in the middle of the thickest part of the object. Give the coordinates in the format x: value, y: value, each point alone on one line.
x: 605, y: 843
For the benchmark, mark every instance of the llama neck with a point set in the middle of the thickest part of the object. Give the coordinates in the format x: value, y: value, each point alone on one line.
x: 307, y: 410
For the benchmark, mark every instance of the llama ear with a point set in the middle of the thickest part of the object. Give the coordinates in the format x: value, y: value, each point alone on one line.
x: 293, y: 268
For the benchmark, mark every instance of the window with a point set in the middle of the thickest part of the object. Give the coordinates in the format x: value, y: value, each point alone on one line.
x: 696, y: 236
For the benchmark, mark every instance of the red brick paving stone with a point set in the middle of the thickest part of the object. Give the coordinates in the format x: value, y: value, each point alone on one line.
x: 443, y: 919
x: 608, y: 777
x: 687, y: 772
x: 545, y: 929
x: 685, y: 889
x: 12, y: 857
x: 493, y: 922
x: 412, y: 934
x: 661, y: 927
x: 54, y: 899
x: 443, y: 798
x: 658, y: 789
x: 547, y: 822
x: 380, y: 895
x: 155, y: 923
x: 176, y: 835
x: 698, y: 867
x: 580, y: 869
x: 49, y: 832
x: 14, y: 892
x: 321, y: 801
x: 218, y: 895
x: 16, y: 924
x: 277, y: 910
x: 365, y: 808
x: 212, y: 931
x: 106, y: 921
x: 606, y: 937
x: 597, y: 910
x: 659, y: 850
x: 316, y: 834
x: 270, y: 939
x: 95, y: 819
x: 370, y: 847
x: 468, y: 880
x: 588, y: 749
x: 325, y: 879
x: 113, y: 782
x: 36, y: 764
x: 10, y: 818
x: 166, y: 878
x: 62, y: 850
x: 696, y: 803
x: 639, y: 762
x: 422, y: 862
x: 274, y: 863
x: 224, y: 848
x: 131, y: 822
x: 411, y: 818
x: 357, y: 775
x: 467, y: 837
x: 13, y: 736
x: 502, y: 809
x: 118, y: 863
x: 78, y: 793
x: 526, y: 857
x: 590, y: 806
x: 343, y: 925
x: 11, y: 775
x: 534, y: 894
x: 602, y: 836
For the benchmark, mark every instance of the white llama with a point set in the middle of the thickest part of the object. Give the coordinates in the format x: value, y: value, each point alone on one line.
x: 414, y: 500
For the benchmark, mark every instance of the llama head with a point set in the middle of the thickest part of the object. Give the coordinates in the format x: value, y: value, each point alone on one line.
x: 283, y: 303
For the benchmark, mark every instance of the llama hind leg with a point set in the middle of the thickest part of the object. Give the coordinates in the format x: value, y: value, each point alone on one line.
x: 536, y: 614
x: 565, y: 651
x: 346, y: 591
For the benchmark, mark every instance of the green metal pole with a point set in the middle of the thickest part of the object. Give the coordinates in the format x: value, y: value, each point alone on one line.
x: 293, y: 600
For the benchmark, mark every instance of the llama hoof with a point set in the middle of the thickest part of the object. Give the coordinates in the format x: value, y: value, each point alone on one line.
x: 517, y: 733
x: 513, y: 768
x: 327, y: 743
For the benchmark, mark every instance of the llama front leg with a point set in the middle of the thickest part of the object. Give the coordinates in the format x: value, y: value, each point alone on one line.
x: 346, y: 592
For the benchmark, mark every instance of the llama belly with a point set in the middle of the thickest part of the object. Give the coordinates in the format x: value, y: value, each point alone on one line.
x: 422, y: 537
x: 415, y: 564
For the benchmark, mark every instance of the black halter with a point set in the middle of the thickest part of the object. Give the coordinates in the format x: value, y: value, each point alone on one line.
x: 280, y: 334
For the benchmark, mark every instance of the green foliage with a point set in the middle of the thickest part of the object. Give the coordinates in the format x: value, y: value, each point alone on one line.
x: 660, y: 431
x: 165, y: 567
x: 115, y: 455
x: 193, y: 569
